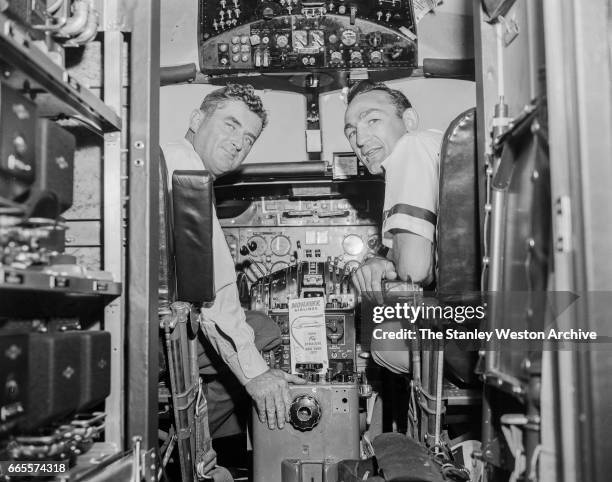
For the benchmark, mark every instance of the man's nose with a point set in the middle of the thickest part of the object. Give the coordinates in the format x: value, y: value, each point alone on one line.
x: 361, y: 136
x: 237, y: 142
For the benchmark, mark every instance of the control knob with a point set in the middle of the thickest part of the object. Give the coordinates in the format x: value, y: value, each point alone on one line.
x: 356, y: 57
x: 304, y: 413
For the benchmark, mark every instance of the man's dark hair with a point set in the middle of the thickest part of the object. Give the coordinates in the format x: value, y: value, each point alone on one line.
x: 398, y: 99
x: 244, y: 93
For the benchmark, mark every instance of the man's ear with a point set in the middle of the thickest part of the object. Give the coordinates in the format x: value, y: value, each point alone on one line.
x: 411, y: 119
x: 197, y: 116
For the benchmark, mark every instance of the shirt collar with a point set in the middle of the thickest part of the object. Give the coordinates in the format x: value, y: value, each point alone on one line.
x: 398, y: 151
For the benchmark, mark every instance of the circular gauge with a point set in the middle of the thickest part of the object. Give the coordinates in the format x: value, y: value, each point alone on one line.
x: 352, y: 244
x: 282, y: 41
x: 257, y: 245
x: 280, y: 245
x: 351, y: 266
x: 333, y: 38
x: 349, y: 37
x: 278, y: 266
x: 356, y: 56
x: 374, y: 242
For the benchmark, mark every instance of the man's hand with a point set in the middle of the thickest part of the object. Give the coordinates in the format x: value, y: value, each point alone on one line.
x: 368, y: 277
x: 270, y: 391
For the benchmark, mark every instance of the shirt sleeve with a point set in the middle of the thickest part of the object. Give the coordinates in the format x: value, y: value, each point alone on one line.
x: 411, y: 191
x: 225, y: 326
x: 224, y: 322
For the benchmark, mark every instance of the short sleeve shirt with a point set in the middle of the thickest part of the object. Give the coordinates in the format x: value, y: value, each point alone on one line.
x: 411, y: 186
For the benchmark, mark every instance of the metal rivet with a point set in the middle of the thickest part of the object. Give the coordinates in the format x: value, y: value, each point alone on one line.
x: 139, y: 145
x: 139, y: 162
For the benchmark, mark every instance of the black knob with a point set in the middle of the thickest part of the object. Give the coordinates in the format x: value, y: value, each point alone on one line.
x: 252, y: 245
x: 305, y: 413
x: 244, y: 250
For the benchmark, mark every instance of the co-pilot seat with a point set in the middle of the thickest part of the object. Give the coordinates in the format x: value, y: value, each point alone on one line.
x: 458, y: 237
x: 186, y: 282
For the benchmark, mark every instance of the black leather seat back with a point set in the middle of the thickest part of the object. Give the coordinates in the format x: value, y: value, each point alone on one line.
x: 167, y: 281
x: 458, y: 242
x: 193, y: 235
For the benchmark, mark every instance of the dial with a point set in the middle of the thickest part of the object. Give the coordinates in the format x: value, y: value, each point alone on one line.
x: 349, y: 37
x: 282, y: 41
x: 317, y: 38
x: 300, y: 39
x: 280, y: 245
x: 352, y: 244
x: 256, y: 245
x: 374, y: 242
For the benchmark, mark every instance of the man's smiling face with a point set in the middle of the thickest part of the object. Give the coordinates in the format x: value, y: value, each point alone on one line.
x: 224, y: 137
x: 373, y: 126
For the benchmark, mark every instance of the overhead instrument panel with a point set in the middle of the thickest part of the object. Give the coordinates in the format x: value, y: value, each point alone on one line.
x: 295, y: 36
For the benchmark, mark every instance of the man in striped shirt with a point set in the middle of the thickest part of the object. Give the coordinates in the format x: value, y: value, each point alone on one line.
x: 382, y: 128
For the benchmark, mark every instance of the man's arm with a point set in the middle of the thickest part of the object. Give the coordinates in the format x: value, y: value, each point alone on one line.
x: 225, y: 327
x: 413, y: 257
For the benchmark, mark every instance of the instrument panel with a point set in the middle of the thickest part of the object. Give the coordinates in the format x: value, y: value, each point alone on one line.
x: 273, y: 234
x: 290, y: 35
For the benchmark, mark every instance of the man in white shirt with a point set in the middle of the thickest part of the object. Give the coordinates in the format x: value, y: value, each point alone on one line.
x: 221, y: 133
x: 382, y: 128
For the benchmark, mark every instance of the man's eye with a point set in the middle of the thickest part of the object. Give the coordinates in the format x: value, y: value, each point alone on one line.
x: 349, y: 134
x: 372, y: 121
x: 230, y: 126
x: 248, y: 141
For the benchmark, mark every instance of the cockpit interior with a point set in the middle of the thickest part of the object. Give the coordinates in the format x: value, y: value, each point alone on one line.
x: 305, y: 241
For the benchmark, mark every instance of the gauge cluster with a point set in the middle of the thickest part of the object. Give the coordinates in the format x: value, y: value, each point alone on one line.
x: 274, y: 234
x: 289, y: 35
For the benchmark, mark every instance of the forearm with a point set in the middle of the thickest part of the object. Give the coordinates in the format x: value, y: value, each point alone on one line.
x: 413, y: 256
